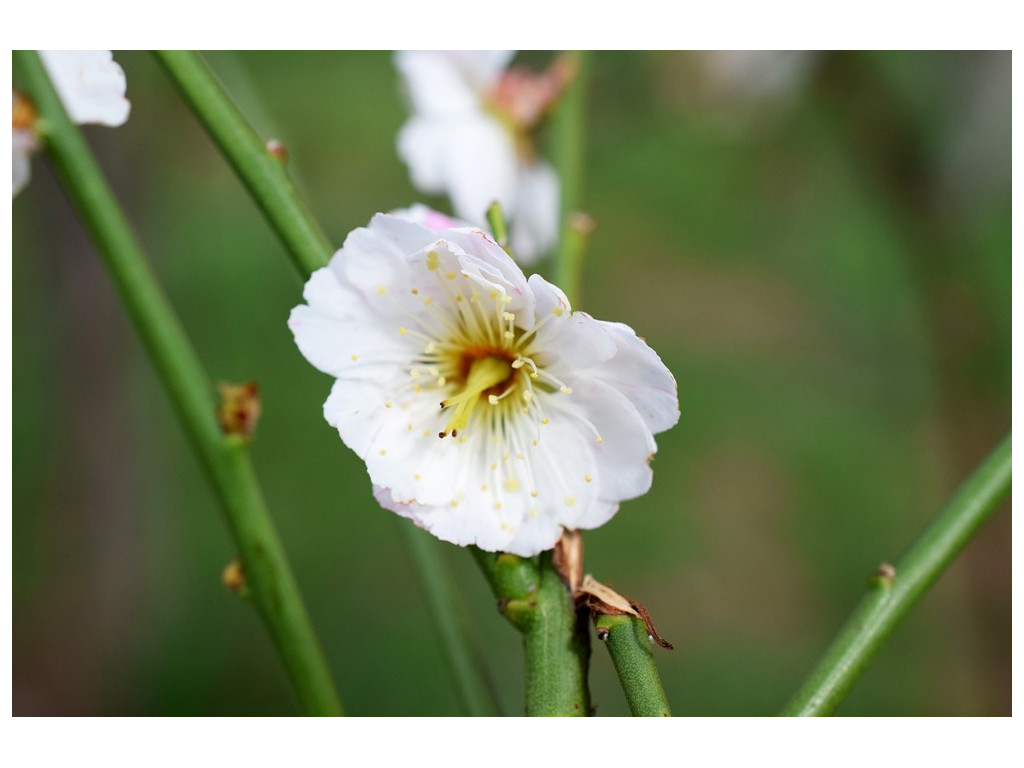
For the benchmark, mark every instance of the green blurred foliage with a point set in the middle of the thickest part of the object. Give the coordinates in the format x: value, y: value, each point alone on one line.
x: 825, y: 268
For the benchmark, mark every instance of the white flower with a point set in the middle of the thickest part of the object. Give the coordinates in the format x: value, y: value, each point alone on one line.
x: 469, y: 137
x: 485, y: 409
x: 91, y: 86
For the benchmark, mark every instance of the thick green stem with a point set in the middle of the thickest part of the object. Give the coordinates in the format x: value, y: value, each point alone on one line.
x: 567, y: 123
x: 895, y: 590
x: 532, y: 596
x: 630, y: 648
x: 267, y: 574
x: 261, y: 171
x: 264, y: 177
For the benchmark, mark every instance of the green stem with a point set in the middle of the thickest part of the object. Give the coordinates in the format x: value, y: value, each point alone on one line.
x: 476, y: 696
x: 533, y: 598
x: 496, y: 221
x: 226, y: 460
x: 893, y: 592
x: 567, y: 123
x: 630, y: 649
x: 267, y: 182
x: 261, y: 172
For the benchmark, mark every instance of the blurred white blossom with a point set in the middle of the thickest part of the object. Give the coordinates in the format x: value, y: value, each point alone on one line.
x: 485, y: 409
x: 470, y: 136
x: 91, y: 86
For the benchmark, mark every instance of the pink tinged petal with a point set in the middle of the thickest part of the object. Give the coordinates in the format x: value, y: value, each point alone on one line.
x: 428, y: 217
x: 638, y: 372
x: 534, y: 227
x: 90, y: 84
x: 386, y: 500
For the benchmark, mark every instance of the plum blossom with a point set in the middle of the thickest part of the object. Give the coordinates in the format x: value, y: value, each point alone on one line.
x: 91, y: 86
x: 486, y: 410
x: 470, y: 137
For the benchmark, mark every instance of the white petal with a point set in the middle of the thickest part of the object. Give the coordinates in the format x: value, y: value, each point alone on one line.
x: 481, y: 166
x: 533, y: 231
x: 91, y: 85
x: 572, y: 344
x: 338, y: 333
x: 626, y: 445
x: 23, y: 143
x: 378, y: 256
x: 472, y: 158
x: 424, y: 145
x: 485, y: 262
x: 638, y: 373
x: 449, y: 82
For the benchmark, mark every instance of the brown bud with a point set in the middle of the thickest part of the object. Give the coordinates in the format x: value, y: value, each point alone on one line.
x: 233, y: 577
x: 581, y: 223
x: 885, y: 573
x: 277, y: 149
x: 239, y: 408
x: 24, y: 116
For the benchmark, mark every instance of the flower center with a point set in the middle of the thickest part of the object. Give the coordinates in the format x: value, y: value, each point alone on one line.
x: 486, y: 376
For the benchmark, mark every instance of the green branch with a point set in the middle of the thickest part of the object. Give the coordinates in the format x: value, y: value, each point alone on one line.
x: 567, y: 123
x: 894, y: 591
x: 226, y: 460
x: 264, y: 177
x: 262, y: 172
x: 476, y: 696
x: 630, y: 648
x: 533, y: 598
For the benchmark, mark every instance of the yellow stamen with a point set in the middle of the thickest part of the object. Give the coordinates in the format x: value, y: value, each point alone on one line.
x: 484, y: 373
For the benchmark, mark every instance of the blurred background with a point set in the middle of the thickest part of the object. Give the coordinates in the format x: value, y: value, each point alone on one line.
x: 818, y: 246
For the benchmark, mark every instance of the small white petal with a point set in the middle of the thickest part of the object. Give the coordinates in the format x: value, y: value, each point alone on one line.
x: 472, y: 158
x: 445, y: 83
x: 482, y: 167
x: 91, y: 85
x: 23, y: 144
x: 534, y: 228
